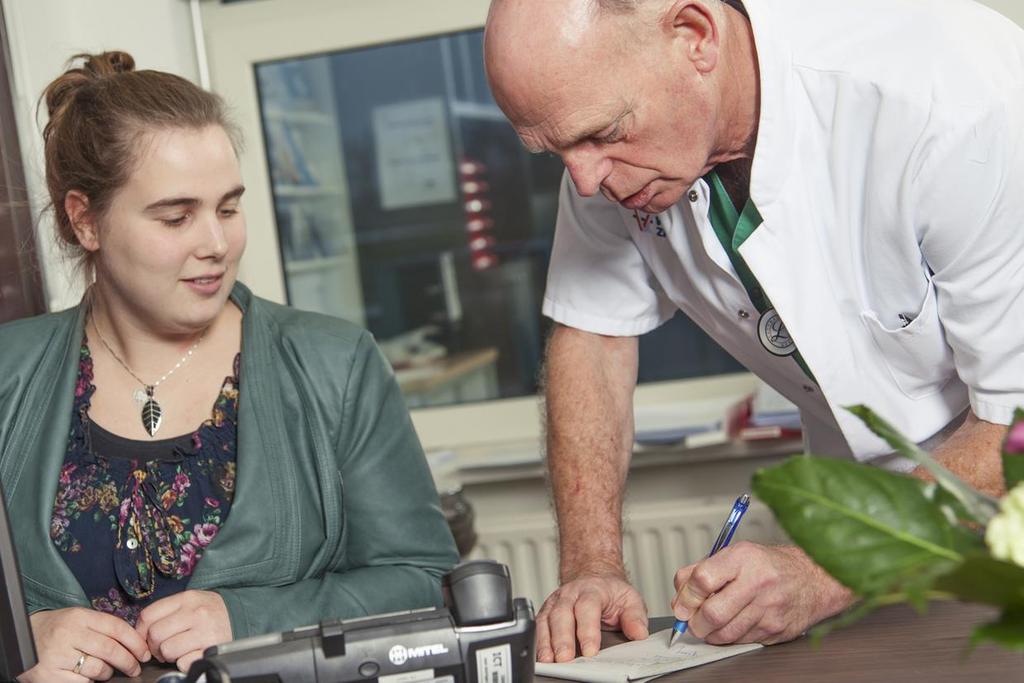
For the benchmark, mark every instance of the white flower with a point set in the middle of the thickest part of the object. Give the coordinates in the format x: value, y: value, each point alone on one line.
x: 1005, y: 532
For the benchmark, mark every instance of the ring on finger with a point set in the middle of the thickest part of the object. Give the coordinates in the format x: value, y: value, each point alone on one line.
x: 79, y: 664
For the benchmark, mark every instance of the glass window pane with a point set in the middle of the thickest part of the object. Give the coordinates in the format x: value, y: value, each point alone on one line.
x: 406, y: 203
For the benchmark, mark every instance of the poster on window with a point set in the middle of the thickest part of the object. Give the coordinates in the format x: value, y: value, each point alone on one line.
x: 414, y: 154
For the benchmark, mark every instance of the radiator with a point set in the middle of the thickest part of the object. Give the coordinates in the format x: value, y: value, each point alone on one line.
x: 658, y: 539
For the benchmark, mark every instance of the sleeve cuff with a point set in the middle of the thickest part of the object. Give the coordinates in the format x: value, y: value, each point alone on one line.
x: 996, y: 408
x: 597, y: 324
x: 240, y: 627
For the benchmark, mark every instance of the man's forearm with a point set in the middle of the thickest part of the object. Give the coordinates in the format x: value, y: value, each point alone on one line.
x: 828, y: 595
x: 589, y: 384
x: 973, y: 453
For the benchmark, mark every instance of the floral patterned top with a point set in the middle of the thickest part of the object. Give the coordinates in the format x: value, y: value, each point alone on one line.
x: 131, y: 518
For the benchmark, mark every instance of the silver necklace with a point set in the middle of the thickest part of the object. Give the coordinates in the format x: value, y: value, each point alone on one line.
x: 152, y: 412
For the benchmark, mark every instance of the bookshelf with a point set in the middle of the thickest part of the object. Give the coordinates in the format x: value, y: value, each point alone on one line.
x: 310, y: 188
x: 299, y: 117
x: 284, y: 191
x: 314, y: 264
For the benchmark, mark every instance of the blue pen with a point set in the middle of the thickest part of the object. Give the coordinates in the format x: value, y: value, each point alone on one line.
x: 724, y: 536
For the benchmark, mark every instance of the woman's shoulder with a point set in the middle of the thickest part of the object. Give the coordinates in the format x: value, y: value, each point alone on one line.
x: 308, y: 325
x: 330, y: 354
x: 308, y: 333
x: 25, y: 334
x: 29, y: 343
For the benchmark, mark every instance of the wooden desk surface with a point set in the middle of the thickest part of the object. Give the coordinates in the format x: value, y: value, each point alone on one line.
x: 894, y: 644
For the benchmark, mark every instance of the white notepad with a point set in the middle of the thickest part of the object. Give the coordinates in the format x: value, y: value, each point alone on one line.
x: 642, y: 660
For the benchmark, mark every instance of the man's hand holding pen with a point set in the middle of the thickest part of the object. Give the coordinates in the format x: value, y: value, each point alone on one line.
x: 749, y: 593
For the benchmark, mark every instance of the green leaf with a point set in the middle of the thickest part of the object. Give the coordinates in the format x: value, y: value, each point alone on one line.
x: 1013, y: 451
x: 1007, y: 631
x: 1013, y: 469
x: 950, y: 506
x: 980, y: 507
x: 982, y: 578
x: 873, y: 530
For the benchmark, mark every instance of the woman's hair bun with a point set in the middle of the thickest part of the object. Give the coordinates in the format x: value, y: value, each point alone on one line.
x: 100, y: 107
x: 92, y: 68
x: 107, y: 63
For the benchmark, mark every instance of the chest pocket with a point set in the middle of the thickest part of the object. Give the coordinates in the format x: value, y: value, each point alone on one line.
x: 917, y: 356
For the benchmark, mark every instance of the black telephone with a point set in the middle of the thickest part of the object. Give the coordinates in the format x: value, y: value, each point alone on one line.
x: 481, y: 635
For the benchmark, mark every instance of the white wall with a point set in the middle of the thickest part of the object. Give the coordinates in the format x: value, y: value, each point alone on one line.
x: 43, y: 34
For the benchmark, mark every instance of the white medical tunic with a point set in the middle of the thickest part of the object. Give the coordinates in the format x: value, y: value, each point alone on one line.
x: 889, y: 173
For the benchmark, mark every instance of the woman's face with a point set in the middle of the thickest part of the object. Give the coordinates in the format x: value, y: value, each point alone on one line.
x: 169, y: 244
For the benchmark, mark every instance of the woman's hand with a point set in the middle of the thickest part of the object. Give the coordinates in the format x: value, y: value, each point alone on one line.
x: 101, y: 641
x: 178, y: 628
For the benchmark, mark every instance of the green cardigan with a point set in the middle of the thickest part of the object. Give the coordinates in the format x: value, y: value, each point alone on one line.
x: 335, y: 513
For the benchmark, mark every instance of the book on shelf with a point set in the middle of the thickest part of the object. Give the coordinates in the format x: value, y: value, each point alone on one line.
x: 766, y: 414
x: 289, y: 165
x: 693, y: 424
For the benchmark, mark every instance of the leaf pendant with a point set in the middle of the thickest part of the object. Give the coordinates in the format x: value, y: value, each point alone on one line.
x: 152, y: 413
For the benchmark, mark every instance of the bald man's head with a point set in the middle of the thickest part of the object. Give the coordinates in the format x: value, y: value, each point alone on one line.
x: 627, y: 92
x: 540, y: 40
x: 619, y: 5
x: 613, y: 5
x: 626, y: 6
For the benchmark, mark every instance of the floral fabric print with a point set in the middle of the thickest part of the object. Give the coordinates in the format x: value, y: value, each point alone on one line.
x: 131, y: 526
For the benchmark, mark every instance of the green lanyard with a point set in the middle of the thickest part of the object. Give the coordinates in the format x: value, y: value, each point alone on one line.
x: 732, y: 230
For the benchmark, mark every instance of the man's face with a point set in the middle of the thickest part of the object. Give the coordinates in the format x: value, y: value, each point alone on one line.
x: 629, y: 120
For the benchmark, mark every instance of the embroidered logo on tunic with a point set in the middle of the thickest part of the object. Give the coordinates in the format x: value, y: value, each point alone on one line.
x: 645, y: 221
